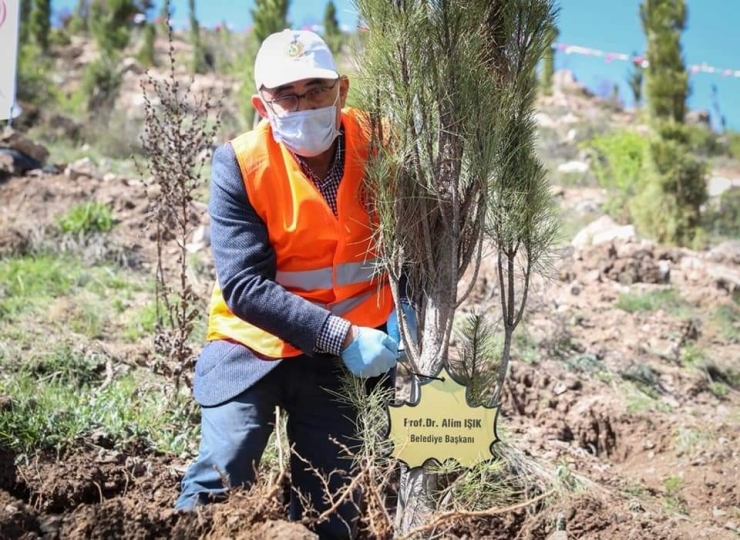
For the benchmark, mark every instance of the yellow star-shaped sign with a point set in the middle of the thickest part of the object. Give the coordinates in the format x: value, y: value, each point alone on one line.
x: 441, y: 425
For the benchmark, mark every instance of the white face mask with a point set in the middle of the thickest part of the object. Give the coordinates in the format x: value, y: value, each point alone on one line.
x: 306, y: 133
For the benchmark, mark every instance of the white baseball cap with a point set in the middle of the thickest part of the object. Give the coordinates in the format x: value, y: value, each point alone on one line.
x: 293, y: 55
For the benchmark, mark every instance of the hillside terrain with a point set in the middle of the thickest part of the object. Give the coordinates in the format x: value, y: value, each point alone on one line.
x: 625, y: 383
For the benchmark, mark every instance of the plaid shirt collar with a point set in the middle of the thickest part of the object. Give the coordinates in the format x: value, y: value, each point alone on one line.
x: 336, y: 169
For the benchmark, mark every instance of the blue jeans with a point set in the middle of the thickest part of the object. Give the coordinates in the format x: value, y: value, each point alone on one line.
x: 234, y: 435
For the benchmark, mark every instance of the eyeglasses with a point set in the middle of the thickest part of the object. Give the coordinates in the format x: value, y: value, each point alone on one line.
x: 317, y: 96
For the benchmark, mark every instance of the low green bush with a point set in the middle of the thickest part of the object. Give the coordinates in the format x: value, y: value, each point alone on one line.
x: 733, y: 144
x: 704, y: 141
x: 86, y: 218
x: 619, y: 168
x: 668, y: 208
x: 723, y: 217
x: 666, y: 299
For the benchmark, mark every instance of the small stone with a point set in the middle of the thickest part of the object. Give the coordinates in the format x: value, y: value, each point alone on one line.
x: 50, y: 524
x: 732, y: 526
x: 717, y: 512
x: 648, y: 445
x: 558, y: 535
x: 11, y: 509
x: 651, y: 454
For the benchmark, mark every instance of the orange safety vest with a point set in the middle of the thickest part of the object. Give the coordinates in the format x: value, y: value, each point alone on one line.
x: 328, y: 260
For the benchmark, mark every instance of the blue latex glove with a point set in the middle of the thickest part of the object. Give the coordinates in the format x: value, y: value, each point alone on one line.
x: 371, y: 353
x: 393, y: 327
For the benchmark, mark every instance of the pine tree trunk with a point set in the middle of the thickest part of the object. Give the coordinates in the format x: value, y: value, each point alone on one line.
x: 417, y: 486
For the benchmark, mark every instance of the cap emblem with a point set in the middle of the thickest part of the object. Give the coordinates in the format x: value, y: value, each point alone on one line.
x: 295, y: 49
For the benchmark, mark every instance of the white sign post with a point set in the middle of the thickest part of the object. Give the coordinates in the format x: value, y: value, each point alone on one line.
x: 9, y: 22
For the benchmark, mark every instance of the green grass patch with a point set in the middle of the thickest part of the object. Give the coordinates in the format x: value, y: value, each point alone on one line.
x: 142, y: 323
x: 693, y: 356
x: 525, y: 347
x: 86, y: 218
x: 27, y: 283
x: 584, y: 363
x: 673, y: 500
x: 727, y: 318
x: 664, y: 299
x: 687, y: 440
x: 639, y: 402
x: 719, y: 389
x: 51, y: 413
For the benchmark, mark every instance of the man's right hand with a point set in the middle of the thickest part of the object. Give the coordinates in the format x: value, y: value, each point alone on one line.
x: 370, y: 353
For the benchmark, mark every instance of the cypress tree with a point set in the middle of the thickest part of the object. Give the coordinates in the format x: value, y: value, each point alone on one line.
x: 109, y: 24
x: 269, y: 16
x: 669, y: 208
x: 635, y: 78
x: 146, y: 54
x: 26, y: 7
x: 548, y: 61
x: 199, y: 64
x: 332, y: 32
x: 40, y: 23
x: 78, y: 22
x: 667, y: 82
x: 164, y: 15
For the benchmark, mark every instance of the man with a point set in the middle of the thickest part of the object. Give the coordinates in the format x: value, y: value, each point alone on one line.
x: 299, y: 300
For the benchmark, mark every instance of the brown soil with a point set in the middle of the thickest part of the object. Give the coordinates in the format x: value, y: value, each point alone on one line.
x: 572, y: 408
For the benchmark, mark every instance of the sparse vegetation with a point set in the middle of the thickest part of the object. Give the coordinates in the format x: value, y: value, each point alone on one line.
x: 55, y: 414
x: 86, y: 218
x: 666, y: 299
x: 673, y: 500
x: 727, y: 318
x: 179, y: 132
x: 619, y: 167
x: 79, y: 375
x: 722, y: 218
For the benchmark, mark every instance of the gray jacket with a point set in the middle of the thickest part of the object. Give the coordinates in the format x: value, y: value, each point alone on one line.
x: 246, y: 267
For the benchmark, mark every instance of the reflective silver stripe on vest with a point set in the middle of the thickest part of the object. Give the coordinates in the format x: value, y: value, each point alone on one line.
x: 340, y: 308
x: 312, y: 280
x: 306, y: 280
x: 360, y: 272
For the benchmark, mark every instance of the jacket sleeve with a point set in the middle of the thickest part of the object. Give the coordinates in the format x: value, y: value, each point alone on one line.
x: 246, y: 265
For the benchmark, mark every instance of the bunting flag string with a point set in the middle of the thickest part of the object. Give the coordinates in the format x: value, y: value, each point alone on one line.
x: 638, y: 60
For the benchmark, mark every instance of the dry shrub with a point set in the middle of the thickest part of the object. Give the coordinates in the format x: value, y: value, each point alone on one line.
x: 179, y: 130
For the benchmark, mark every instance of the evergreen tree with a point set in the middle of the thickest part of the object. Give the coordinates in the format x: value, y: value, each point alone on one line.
x: 146, y: 54
x: 199, y: 63
x: 78, y: 22
x: 667, y: 82
x: 450, y: 91
x: 635, y: 78
x: 165, y: 14
x: 548, y: 61
x: 40, y: 23
x: 26, y: 8
x: 669, y: 208
x: 269, y: 16
x: 332, y: 32
x: 109, y: 24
